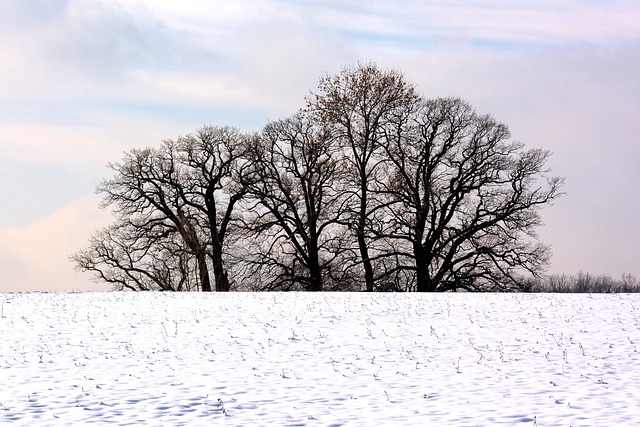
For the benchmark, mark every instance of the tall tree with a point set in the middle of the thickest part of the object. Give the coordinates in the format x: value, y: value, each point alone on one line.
x: 177, y: 201
x: 466, y: 198
x: 357, y: 105
x: 147, y: 192
x: 214, y: 158
x: 297, y: 204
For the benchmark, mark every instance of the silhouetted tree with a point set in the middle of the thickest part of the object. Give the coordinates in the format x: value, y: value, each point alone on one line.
x: 183, y: 194
x: 297, y: 204
x: 466, y: 198
x: 214, y: 160
x: 129, y: 257
x: 357, y: 105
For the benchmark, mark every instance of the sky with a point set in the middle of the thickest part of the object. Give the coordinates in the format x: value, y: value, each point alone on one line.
x: 83, y: 81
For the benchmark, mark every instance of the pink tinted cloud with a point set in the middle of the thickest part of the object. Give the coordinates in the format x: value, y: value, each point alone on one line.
x: 35, y: 257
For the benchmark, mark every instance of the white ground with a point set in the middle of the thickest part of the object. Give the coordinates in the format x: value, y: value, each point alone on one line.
x: 319, y: 359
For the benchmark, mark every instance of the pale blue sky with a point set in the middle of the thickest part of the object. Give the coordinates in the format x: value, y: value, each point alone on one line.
x: 81, y: 81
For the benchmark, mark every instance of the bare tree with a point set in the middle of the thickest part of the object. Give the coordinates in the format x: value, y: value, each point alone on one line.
x: 174, y: 201
x: 357, y: 105
x: 466, y: 199
x: 146, y: 192
x: 296, y: 204
x: 213, y: 156
x: 129, y: 257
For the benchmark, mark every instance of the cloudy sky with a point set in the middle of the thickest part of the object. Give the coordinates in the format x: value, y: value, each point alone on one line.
x: 82, y: 81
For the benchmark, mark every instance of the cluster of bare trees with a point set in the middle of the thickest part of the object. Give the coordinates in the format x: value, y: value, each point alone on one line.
x: 368, y: 187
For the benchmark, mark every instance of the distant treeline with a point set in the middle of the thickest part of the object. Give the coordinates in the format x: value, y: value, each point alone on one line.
x: 584, y: 283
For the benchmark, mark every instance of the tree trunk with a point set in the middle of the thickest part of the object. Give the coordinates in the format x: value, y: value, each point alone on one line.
x: 315, y: 275
x: 219, y: 274
x: 191, y: 239
x: 366, y: 261
x: 205, y: 281
x: 423, y: 281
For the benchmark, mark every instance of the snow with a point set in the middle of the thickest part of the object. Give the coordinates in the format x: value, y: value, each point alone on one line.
x: 328, y: 359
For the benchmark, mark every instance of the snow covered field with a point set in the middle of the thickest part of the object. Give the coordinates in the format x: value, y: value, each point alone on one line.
x: 319, y: 359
